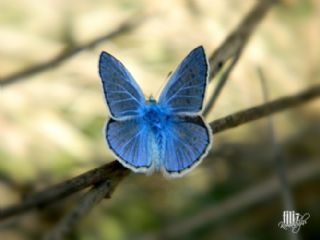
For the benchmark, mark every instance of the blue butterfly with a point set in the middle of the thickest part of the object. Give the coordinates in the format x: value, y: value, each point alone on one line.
x: 168, y: 135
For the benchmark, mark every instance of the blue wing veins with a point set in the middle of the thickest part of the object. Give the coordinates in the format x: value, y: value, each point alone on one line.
x: 181, y: 89
x: 133, y: 97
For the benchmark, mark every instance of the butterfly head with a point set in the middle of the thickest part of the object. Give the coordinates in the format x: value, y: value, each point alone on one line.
x: 152, y: 100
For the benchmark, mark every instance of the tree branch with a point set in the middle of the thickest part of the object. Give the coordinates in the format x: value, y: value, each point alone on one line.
x: 125, y: 27
x: 115, y: 172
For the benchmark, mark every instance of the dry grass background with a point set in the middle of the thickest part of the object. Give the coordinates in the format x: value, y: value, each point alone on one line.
x: 51, y: 123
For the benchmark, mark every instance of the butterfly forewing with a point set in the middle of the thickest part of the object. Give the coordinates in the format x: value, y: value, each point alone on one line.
x: 123, y: 95
x: 184, y: 93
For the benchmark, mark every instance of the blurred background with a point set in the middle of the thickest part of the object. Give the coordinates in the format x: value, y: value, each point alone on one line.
x: 51, y: 123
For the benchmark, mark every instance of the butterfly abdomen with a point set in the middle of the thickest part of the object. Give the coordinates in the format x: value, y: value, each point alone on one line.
x: 156, y: 145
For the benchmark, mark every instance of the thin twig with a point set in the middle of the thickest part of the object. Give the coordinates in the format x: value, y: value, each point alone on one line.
x: 278, y: 157
x: 89, y: 200
x: 125, y: 27
x: 260, y: 192
x: 239, y: 37
x: 222, y: 81
x: 260, y: 111
x: 115, y: 172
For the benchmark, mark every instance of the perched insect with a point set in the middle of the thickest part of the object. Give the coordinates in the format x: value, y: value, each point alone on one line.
x: 168, y: 135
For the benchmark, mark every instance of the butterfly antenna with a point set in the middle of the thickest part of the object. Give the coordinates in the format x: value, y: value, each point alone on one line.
x: 162, y: 85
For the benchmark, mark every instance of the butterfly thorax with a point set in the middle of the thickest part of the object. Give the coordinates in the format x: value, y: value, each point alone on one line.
x: 155, y: 116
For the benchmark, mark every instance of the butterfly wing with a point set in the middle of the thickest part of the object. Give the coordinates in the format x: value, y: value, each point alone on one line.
x: 185, y: 90
x: 129, y: 140
x: 186, y: 141
x: 123, y: 96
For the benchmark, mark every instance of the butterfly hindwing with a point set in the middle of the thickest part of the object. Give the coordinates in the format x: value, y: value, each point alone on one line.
x: 129, y: 140
x: 186, y: 142
x: 184, y: 93
x: 123, y: 95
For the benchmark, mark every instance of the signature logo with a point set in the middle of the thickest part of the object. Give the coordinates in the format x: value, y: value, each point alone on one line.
x: 293, y: 220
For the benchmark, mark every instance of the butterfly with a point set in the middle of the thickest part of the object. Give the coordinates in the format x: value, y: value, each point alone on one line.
x: 168, y: 135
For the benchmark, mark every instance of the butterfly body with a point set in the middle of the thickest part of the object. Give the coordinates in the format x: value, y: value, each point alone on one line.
x: 156, y: 120
x: 167, y: 135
